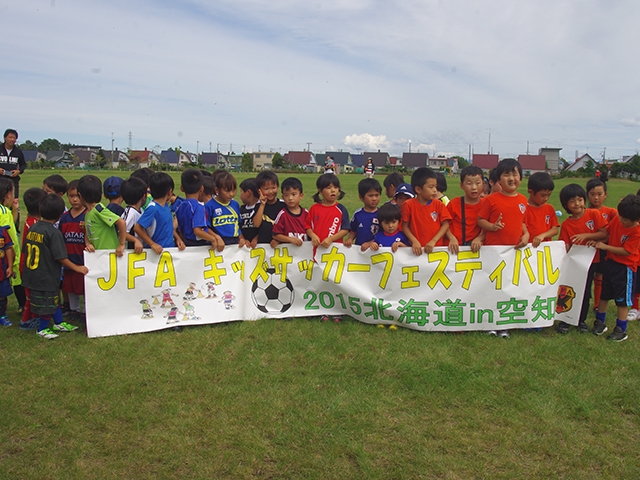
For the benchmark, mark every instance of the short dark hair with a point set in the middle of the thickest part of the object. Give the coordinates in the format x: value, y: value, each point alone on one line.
x: 367, y: 184
x: 291, y: 183
x: 250, y: 184
x: 629, y: 208
x: 90, y: 189
x: 6, y: 186
x: 191, y: 180
x: 493, y: 175
x: 133, y: 190
x: 389, y: 212
x: 265, y: 177
x: 73, y: 185
x: 143, y: 174
x: 540, y: 181
x: 570, y: 191
x: 324, y: 181
x: 51, y: 207
x: 508, y: 165
x: 226, y: 181
x: 420, y: 176
x: 596, y: 182
x: 9, y: 131
x: 205, y: 172
x: 209, y: 185
x: 470, y: 171
x: 160, y: 184
x: 394, y: 179
x: 32, y: 198
x: 441, y: 184
x: 57, y: 183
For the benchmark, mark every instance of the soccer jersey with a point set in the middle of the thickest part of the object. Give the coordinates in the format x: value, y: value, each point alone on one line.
x: 224, y: 218
x: 73, y: 230
x: 472, y: 230
x: 191, y: 214
x: 365, y: 224
x: 291, y: 225
x: 5, y: 242
x: 327, y: 220
x: 590, y: 222
x: 116, y: 208
x: 157, y: 220
x: 425, y: 220
x: 6, y: 219
x: 387, y: 240
x: 540, y: 219
x: 247, y: 212
x: 44, y: 248
x: 269, y: 215
x: 513, y: 210
x: 608, y: 213
x: 99, y: 223
x: 626, y: 237
x: 131, y: 217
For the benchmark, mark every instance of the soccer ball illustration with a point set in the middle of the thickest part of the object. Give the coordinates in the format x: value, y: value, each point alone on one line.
x: 272, y: 295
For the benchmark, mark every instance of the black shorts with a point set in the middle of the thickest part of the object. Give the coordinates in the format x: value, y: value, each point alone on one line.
x: 44, y: 303
x: 617, y: 283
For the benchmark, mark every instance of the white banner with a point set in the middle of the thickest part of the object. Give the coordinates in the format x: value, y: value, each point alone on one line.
x: 497, y: 288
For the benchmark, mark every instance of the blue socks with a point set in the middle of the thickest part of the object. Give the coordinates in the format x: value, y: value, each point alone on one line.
x: 622, y: 324
x: 601, y: 316
x: 57, y: 317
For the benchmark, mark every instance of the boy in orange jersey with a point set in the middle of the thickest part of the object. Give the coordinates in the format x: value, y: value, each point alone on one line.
x: 541, y: 218
x: 584, y: 224
x: 425, y: 220
x: 501, y: 214
x: 618, y: 272
x: 463, y: 228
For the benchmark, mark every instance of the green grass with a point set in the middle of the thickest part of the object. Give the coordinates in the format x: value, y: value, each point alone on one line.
x: 304, y: 399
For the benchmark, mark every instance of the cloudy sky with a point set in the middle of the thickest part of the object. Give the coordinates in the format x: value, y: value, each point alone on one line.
x: 438, y: 75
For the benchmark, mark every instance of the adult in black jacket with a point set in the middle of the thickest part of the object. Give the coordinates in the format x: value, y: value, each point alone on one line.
x: 12, y: 162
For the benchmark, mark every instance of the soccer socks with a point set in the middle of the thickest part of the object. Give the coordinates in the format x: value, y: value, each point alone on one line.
x: 74, y: 302
x: 601, y: 316
x: 57, y: 317
x: 3, y: 306
x: 622, y: 324
x: 45, y: 320
x: 597, y: 290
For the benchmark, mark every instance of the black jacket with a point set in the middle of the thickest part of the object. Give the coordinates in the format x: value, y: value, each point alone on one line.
x: 13, y: 161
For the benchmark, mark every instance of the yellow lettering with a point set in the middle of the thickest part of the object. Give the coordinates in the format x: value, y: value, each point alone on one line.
x: 132, y: 271
x: 439, y: 276
x: 214, y: 271
x: 410, y: 282
x: 107, y: 284
x: 165, y: 271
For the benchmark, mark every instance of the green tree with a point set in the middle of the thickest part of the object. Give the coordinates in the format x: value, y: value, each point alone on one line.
x: 277, y: 161
x: 462, y: 162
x: 28, y: 145
x: 49, y: 144
x: 101, y: 160
x: 247, y: 162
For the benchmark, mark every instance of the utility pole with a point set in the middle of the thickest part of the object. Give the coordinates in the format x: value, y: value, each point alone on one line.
x: 197, y: 147
x: 130, y: 141
x: 489, y: 149
x: 112, y: 149
x: 527, y: 147
x: 308, y: 146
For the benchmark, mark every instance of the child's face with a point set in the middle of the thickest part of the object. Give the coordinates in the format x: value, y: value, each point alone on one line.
x: 401, y: 198
x: 576, y: 206
x: 46, y: 188
x: 9, y: 197
x: 390, y: 226
x: 225, y: 196
x: 371, y: 199
x: 473, y: 186
x: 628, y: 223
x: 270, y: 190
x: 247, y: 197
x: 330, y: 194
x: 597, y: 196
x: 510, y: 181
x: 74, y: 198
x: 390, y: 191
x: 428, y: 191
x: 540, y: 197
x: 292, y: 197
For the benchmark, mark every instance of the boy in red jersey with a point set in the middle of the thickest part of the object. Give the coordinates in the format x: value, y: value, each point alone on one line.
x: 618, y: 272
x: 502, y: 214
x: 425, y: 220
x: 463, y: 228
x: 541, y: 218
x: 583, y: 225
x: 289, y: 226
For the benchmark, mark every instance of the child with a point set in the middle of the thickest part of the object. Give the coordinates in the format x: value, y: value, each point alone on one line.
x: 442, y: 187
x: 390, y: 234
x: 364, y: 224
x: 72, y: 226
x: 583, y: 225
x: 100, y: 223
x: 623, y: 254
x: 425, y: 220
x: 369, y: 169
x: 289, y: 226
x: 404, y: 192
x: 501, y: 214
x: 134, y: 194
x: 7, y: 253
x: 143, y: 174
x: 208, y: 189
x: 155, y: 226
x: 328, y: 220
x: 494, y: 181
x: 112, y: 187
x: 223, y: 211
x: 45, y: 252
x: 390, y: 184
x: 249, y: 196
x: 597, y: 193
x: 541, y: 218
x: 191, y: 215
x: 55, y: 184
x: 269, y: 205
x: 463, y: 228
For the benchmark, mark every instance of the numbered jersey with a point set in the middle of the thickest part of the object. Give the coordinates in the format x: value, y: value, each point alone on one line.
x: 44, y: 247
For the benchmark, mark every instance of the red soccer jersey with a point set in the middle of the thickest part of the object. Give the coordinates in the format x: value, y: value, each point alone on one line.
x: 471, y: 219
x: 513, y: 210
x: 540, y: 219
x: 327, y: 220
x: 608, y: 213
x: 425, y: 220
x: 291, y: 225
x: 590, y: 222
x: 626, y: 237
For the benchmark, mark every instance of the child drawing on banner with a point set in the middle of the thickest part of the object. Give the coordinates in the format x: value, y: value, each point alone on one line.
x: 172, y: 315
x: 166, y: 298
x: 189, y: 312
x: 211, y: 290
x: 146, y: 309
x: 190, y: 294
x: 227, y: 299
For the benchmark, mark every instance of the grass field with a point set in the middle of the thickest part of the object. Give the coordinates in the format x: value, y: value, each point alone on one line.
x: 302, y: 399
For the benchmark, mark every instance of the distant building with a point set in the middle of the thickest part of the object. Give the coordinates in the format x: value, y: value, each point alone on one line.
x: 415, y: 160
x: 116, y: 158
x: 581, y: 162
x: 532, y: 163
x: 212, y: 159
x: 485, y: 161
x: 552, y: 158
x: 143, y: 158
x: 262, y: 160
x: 380, y: 159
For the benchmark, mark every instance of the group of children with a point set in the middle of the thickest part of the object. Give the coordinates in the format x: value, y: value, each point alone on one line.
x: 418, y: 216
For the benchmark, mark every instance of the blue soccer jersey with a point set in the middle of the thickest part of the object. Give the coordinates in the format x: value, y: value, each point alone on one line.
x: 365, y: 224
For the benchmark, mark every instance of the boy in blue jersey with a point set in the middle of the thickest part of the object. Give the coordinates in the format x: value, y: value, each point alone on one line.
x: 364, y: 224
x: 224, y: 212
x: 191, y: 215
x: 390, y: 234
x: 156, y: 227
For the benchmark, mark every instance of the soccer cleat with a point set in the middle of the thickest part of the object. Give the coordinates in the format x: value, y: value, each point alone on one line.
x: 618, y: 335
x: 599, y: 327
x: 503, y: 333
x: 337, y: 319
x: 5, y: 322
x: 562, y: 328
x: 393, y: 327
x: 324, y: 318
x: 583, y: 327
x: 64, y: 327
x: 47, y: 333
x: 493, y: 333
x: 633, y: 314
x: 29, y: 324
x: 380, y: 325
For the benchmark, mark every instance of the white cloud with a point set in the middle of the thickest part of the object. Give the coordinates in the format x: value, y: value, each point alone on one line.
x: 367, y: 142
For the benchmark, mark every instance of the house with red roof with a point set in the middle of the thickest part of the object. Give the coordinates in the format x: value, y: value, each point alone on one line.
x: 143, y: 158
x: 532, y: 163
x: 485, y: 161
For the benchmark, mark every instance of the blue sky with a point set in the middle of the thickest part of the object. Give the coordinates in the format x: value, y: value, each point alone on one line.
x: 353, y: 75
